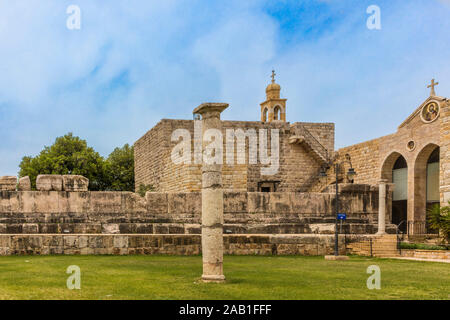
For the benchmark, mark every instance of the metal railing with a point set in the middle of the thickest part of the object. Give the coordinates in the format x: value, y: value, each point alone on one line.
x: 313, y: 142
x: 419, y: 228
x: 400, y: 235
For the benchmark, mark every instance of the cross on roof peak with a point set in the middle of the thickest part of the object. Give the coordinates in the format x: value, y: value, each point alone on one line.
x: 273, y: 76
x: 432, y: 85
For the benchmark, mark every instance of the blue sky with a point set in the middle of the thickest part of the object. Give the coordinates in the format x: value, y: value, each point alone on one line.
x: 135, y: 62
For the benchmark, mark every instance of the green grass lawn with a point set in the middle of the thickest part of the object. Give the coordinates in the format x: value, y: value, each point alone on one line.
x: 248, y: 277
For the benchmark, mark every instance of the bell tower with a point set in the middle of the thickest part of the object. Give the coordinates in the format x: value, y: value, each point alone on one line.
x: 274, y: 108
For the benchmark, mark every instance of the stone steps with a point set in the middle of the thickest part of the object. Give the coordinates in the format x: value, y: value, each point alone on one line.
x: 383, y: 246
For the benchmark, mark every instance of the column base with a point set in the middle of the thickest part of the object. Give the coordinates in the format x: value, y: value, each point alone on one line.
x: 332, y: 257
x: 380, y: 233
x: 213, y: 278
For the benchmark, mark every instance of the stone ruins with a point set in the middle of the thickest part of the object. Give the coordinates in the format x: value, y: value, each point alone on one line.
x: 195, y: 205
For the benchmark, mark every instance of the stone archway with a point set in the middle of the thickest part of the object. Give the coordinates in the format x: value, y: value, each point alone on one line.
x: 395, y: 170
x: 277, y: 113
x: 388, y: 166
x: 421, y: 168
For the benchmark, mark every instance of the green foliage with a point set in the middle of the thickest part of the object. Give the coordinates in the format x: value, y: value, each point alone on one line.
x: 68, y: 155
x: 120, y: 168
x: 144, y: 188
x: 439, y: 219
x: 421, y: 246
x: 71, y: 155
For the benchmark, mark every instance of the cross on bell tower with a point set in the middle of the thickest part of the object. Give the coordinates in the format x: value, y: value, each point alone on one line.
x: 432, y: 85
x: 273, y: 76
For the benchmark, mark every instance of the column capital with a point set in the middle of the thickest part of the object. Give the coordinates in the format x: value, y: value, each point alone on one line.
x: 383, y: 181
x: 210, y: 109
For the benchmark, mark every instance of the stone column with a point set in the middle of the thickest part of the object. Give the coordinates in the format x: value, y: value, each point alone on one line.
x: 382, y: 207
x: 212, y: 200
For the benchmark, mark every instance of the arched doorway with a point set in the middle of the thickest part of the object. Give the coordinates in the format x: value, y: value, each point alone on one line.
x: 395, y: 170
x: 426, y: 186
x: 400, y: 194
x: 433, y: 197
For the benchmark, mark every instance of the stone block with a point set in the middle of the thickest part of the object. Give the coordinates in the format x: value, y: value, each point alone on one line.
x: 24, y: 184
x: 336, y: 258
x: 105, y: 203
x: 280, y: 202
x: 258, y: 202
x: 49, y: 182
x: 110, y: 228
x: 30, y: 228
x: 120, y: 242
x: 189, y: 202
x: 134, y: 203
x: 8, y: 183
x: 235, y: 202
x: 156, y: 202
x: 75, y: 183
x: 323, y: 228
x: 46, y: 202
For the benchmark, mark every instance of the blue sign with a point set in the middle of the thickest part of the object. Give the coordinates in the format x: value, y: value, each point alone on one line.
x: 341, y: 216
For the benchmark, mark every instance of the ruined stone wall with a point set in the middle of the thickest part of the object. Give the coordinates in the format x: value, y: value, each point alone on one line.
x: 167, y: 244
x: 60, y: 222
x: 298, y: 169
x: 59, y: 212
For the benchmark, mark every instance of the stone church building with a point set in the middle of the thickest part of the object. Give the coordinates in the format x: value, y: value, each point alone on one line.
x: 414, y: 160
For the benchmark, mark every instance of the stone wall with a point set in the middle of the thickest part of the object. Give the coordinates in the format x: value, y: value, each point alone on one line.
x: 426, y: 254
x: 298, y: 167
x: 444, y: 177
x: 323, y: 132
x: 79, y: 244
x: 154, y: 166
x: 60, y: 212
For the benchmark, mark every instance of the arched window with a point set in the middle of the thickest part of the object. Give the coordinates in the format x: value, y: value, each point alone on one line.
x: 433, y: 177
x: 400, y: 195
x: 426, y: 187
x: 265, y: 115
x: 400, y: 179
x: 276, y: 113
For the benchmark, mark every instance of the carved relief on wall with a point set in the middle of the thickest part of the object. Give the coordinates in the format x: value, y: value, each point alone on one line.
x: 411, y: 145
x: 430, y: 112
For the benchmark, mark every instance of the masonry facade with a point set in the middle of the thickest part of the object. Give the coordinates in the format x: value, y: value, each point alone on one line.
x: 84, y: 222
x: 414, y: 160
x: 303, y: 149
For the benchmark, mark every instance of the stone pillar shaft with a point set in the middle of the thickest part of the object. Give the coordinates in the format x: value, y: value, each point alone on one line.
x: 212, y: 200
x: 382, y: 207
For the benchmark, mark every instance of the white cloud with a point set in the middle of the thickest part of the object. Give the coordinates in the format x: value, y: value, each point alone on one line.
x: 135, y: 62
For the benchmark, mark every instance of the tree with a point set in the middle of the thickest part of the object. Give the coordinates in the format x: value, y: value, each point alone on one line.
x: 144, y: 188
x: 439, y: 219
x: 120, y: 168
x: 68, y: 155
